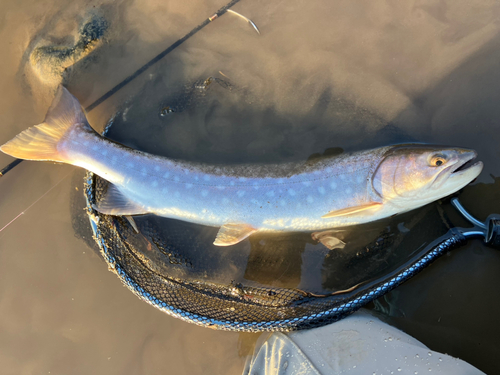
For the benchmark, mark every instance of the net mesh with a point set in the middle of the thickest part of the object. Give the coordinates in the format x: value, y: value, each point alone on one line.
x: 237, y: 306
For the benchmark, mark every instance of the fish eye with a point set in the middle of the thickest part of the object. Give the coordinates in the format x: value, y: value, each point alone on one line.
x: 437, y: 160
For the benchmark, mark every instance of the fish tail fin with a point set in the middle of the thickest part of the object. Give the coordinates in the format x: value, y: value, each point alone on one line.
x: 46, y: 140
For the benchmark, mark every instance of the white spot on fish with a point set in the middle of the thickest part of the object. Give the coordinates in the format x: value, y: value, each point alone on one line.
x: 255, y: 201
x: 342, y: 177
x: 104, y: 152
x: 86, y: 143
x: 176, y: 179
x: 225, y: 200
x: 299, y: 205
x: 283, y: 203
x: 204, y: 211
x: 75, y: 142
x: 166, y: 175
x: 221, y: 187
x: 280, y: 181
x: 189, y: 186
x: 317, y: 171
x: 333, y: 185
x: 240, y: 193
x: 321, y: 190
x: 206, y: 178
x: 291, y: 192
x: 270, y: 193
x: 310, y: 199
x: 186, y: 171
x: 359, y: 179
x: 306, y: 183
x: 242, y: 179
x: 256, y: 185
x: 157, y: 168
x: 204, y: 193
x: 143, y: 171
x: 95, y: 147
x: 196, y: 178
x: 164, y: 190
x: 130, y: 165
x: 348, y: 191
x: 231, y: 183
x: 154, y: 183
x: 177, y: 194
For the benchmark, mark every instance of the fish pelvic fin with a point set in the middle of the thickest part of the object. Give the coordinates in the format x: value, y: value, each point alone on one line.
x: 43, y: 141
x: 116, y: 203
x: 352, y: 210
x: 329, y: 239
x: 231, y: 234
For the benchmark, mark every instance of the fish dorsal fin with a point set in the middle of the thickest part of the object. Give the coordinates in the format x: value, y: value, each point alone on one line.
x: 114, y: 202
x: 352, y: 210
x: 231, y: 234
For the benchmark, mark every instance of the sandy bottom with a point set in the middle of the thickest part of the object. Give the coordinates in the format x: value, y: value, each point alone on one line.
x: 346, y: 75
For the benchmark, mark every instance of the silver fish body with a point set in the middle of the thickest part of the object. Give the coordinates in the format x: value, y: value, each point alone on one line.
x: 269, y: 197
x: 332, y: 192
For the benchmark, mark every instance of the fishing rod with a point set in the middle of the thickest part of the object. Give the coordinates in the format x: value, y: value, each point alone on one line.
x: 143, y: 68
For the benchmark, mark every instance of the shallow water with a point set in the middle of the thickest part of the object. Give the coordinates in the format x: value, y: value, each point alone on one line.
x: 347, y: 76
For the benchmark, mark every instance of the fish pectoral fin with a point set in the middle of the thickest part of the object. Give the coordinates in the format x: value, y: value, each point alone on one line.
x: 329, y: 239
x: 352, y: 210
x: 231, y: 234
x: 114, y: 202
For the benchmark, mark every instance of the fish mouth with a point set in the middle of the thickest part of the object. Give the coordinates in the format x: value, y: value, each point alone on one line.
x: 463, y: 171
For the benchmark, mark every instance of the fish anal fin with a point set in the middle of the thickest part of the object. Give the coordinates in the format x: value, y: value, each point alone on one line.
x: 329, y: 239
x: 114, y: 202
x: 231, y: 234
x: 352, y: 210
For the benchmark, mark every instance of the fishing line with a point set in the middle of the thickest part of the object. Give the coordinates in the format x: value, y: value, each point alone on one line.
x: 141, y: 70
x: 32, y: 204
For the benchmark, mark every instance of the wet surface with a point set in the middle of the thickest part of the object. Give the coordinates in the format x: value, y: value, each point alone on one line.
x: 344, y: 77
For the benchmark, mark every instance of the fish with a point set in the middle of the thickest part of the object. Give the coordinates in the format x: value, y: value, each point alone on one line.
x: 331, y: 192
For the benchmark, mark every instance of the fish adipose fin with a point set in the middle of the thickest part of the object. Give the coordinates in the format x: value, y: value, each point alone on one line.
x: 231, y: 234
x: 352, y: 210
x: 40, y: 142
x: 114, y: 202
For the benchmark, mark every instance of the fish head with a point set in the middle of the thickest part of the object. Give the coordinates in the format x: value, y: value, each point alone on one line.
x: 411, y: 176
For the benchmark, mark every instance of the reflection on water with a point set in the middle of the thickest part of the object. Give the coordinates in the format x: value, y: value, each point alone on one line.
x: 345, y: 75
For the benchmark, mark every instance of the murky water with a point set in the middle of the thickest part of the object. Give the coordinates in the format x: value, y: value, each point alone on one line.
x: 320, y: 76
